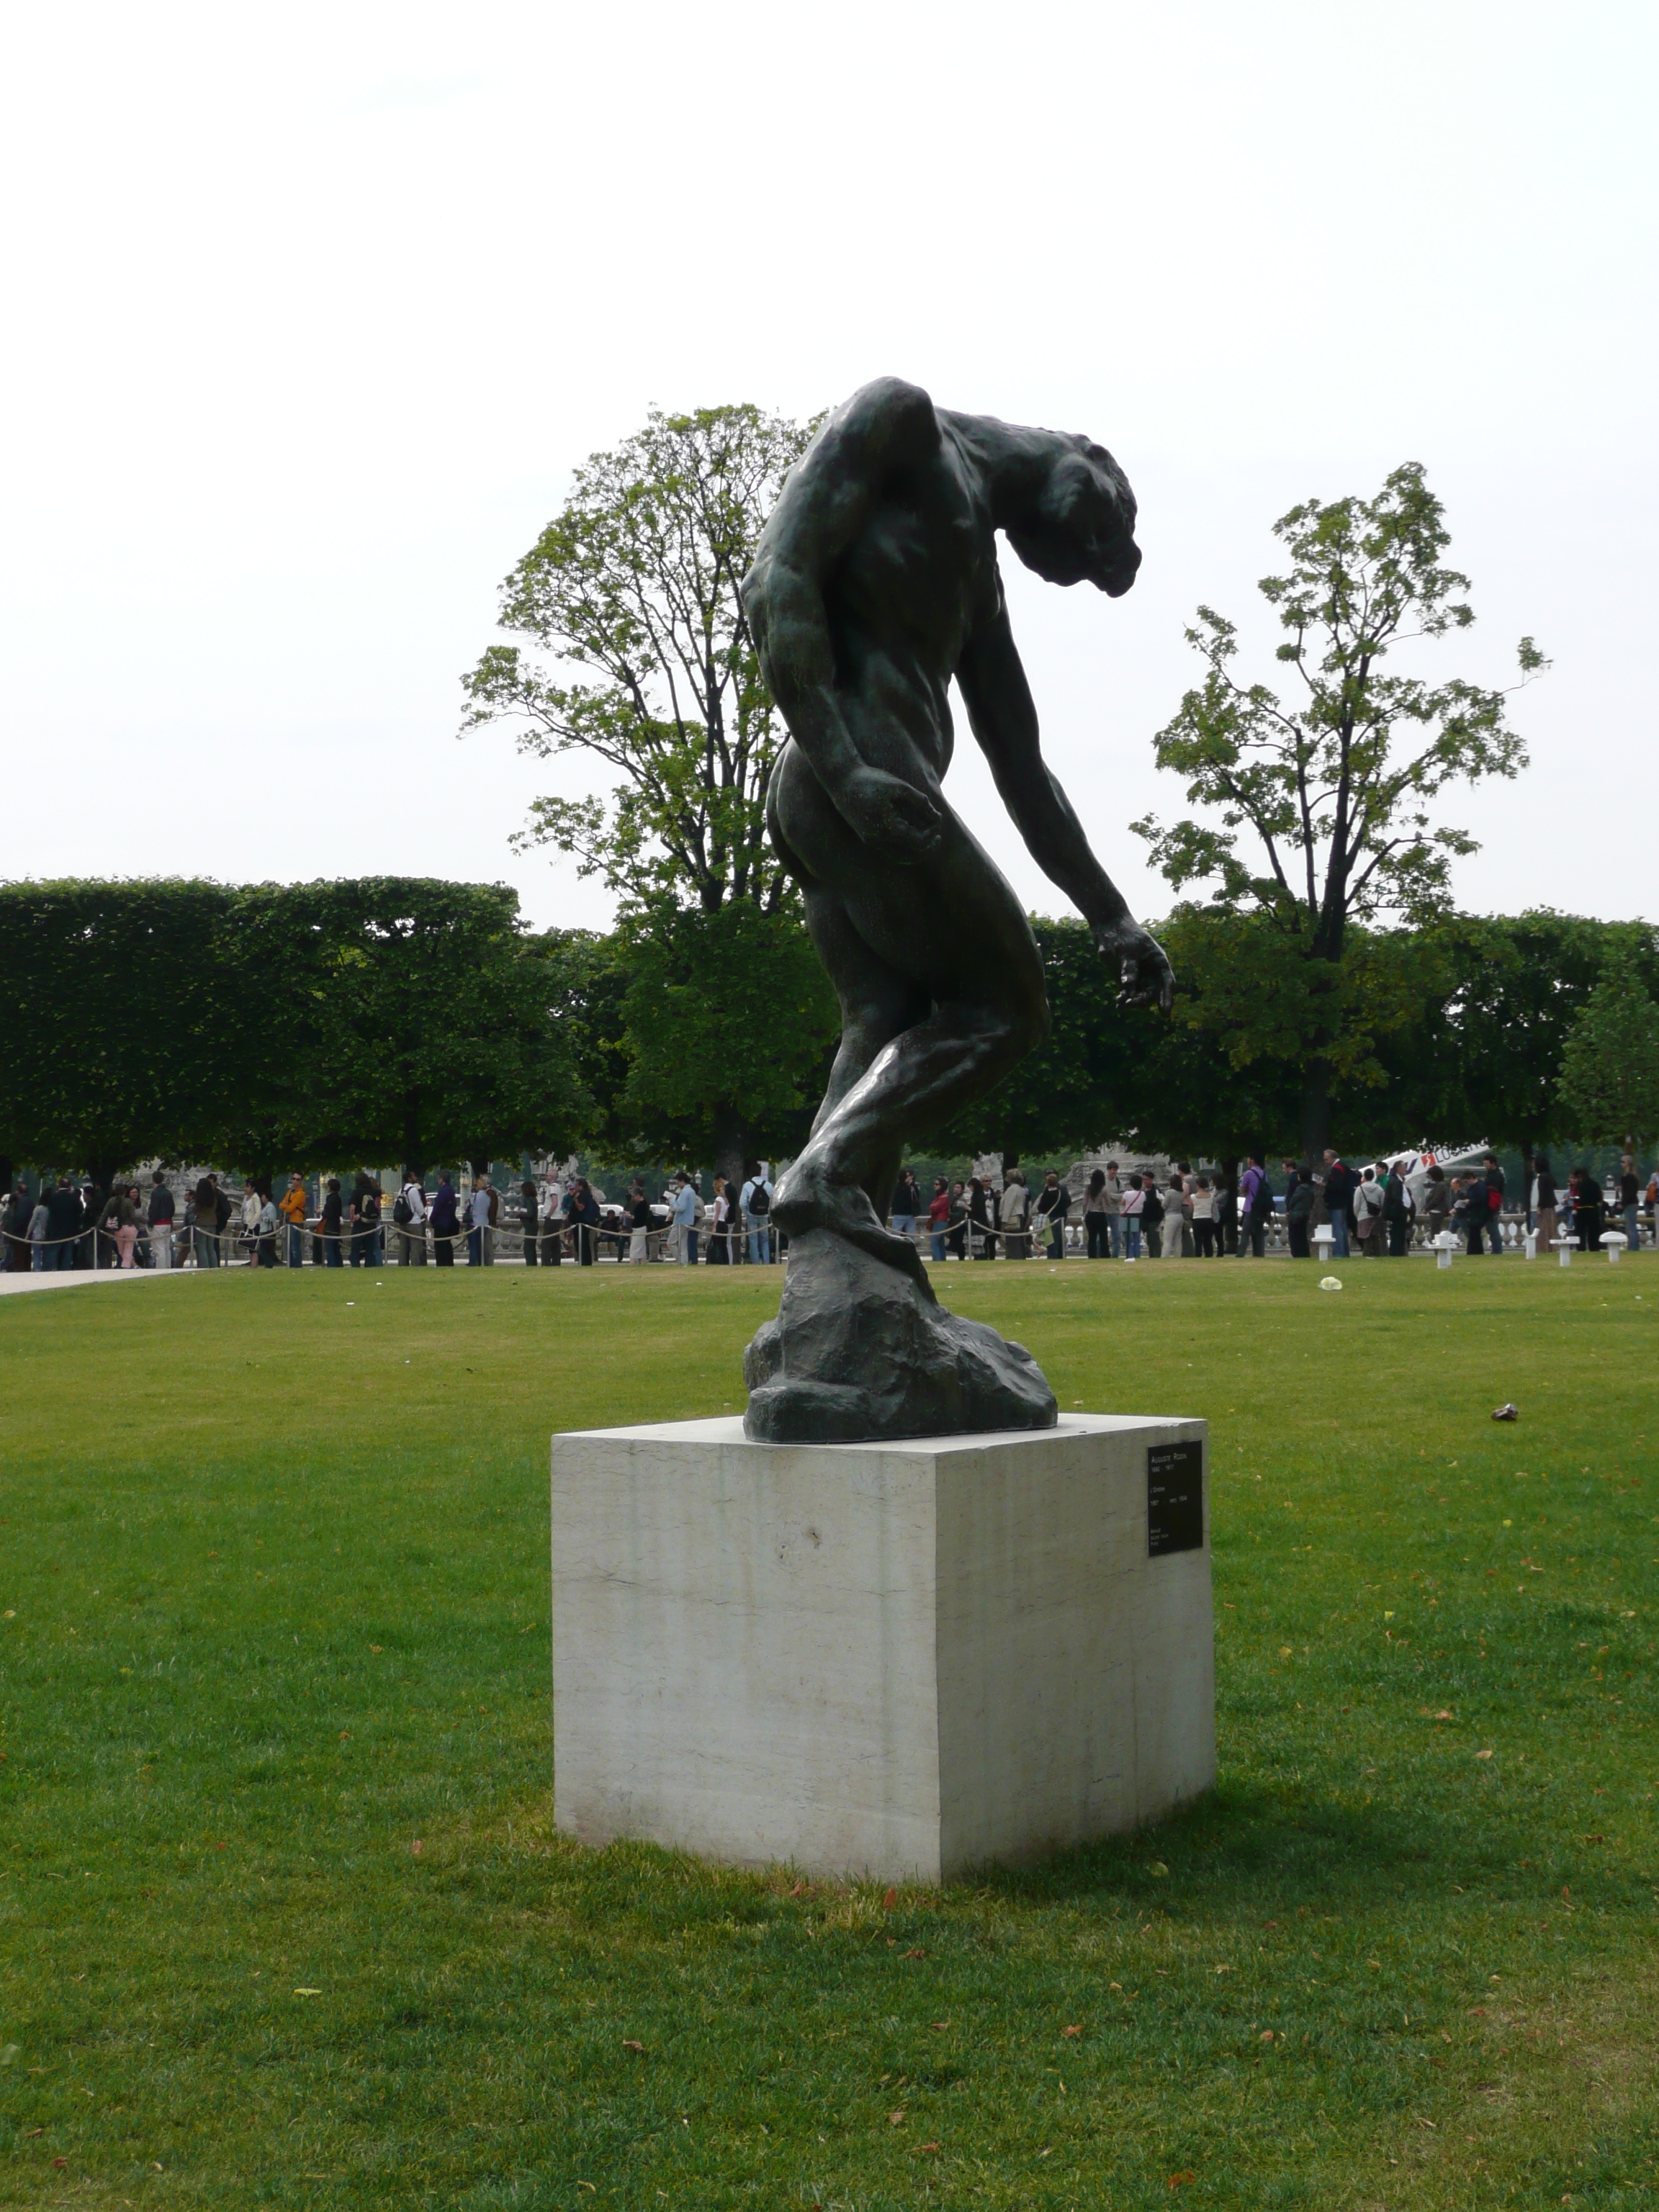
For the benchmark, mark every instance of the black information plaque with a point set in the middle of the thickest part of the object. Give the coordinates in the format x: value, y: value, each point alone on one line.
x: 1175, y: 1499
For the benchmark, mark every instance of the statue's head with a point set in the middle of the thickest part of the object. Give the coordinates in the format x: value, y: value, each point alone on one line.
x: 1082, y: 526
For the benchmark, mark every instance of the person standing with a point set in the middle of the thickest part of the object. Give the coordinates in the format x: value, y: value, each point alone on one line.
x: 1152, y: 1217
x: 1113, y: 1189
x: 552, y: 1222
x: 720, y: 1243
x: 583, y: 1210
x: 159, y: 1213
x: 371, y: 1232
x: 1203, y: 1218
x: 408, y: 1213
x: 1437, y: 1200
x: 956, y: 1241
x: 757, y: 1203
x: 1098, y: 1218
x: 638, y: 1212
x: 16, y: 1228
x: 529, y: 1224
x: 906, y: 1206
x: 1177, y: 1229
x: 119, y: 1222
x: 1495, y: 1194
x: 1341, y: 1182
x: 1255, y: 1196
x: 1543, y: 1200
x: 1368, y: 1214
x: 292, y: 1207
x: 683, y: 1214
x: 266, y: 1227
x: 1298, y: 1215
x: 252, y: 1204
x: 1587, y: 1220
x: 207, y: 1222
x: 939, y: 1218
x: 982, y: 1219
x: 39, y: 1234
x: 1397, y: 1210
x: 1014, y: 1215
x: 1226, y: 1216
x: 1630, y: 1202
x: 333, y: 1222
x: 1131, y: 1206
x: 445, y: 1215
x: 478, y: 1253
x: 1054, y: 1204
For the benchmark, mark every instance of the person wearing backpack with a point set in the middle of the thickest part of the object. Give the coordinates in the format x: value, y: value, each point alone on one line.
x: 755, y: 1200
x: 408, y: 1213
x: 1257, y: 1202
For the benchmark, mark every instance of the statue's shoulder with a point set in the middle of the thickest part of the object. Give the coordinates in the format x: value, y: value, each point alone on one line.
x: 884, y: 416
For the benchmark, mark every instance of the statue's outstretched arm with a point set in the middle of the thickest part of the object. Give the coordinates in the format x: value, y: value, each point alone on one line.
x: 825, y: 503
x: 1003, y: 717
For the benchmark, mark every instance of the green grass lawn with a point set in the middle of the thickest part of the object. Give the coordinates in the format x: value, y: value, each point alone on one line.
x: 283, y: 1921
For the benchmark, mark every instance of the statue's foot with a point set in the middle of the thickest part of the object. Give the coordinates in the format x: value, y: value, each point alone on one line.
x: 807, y: 1199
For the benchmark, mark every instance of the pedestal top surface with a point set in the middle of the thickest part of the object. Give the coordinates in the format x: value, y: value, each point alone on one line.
x: 727, y: 1430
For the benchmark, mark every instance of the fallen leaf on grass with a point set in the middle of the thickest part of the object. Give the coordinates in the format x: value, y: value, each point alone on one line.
x: 1267, y: 2035
x: 1077, y: 2030
x: 889, y: 1900
x: 938, y: 2023
x: 933, y: 2145
x: 417, y: 1847
x: 798, y: 1889
x: 915, y: 1954
x: 60, y: 2162
x: 34, y: 2131
x: 1483, y: 1754
x: 895, y: 2119
x: 307, y: 1993
x: 629, y: 2044
x: 1175, y: 2179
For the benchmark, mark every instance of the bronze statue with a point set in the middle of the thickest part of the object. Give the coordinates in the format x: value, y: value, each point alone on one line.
x: 875, y: 583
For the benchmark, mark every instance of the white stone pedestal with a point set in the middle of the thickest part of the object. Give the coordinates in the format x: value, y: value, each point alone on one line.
x: 903, y: 1660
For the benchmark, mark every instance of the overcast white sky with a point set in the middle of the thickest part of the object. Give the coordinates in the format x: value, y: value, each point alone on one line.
x: 309, y: 314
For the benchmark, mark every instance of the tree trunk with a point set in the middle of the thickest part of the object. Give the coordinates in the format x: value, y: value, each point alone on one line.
x: 1315, y: 1114
x: 730, y: 1145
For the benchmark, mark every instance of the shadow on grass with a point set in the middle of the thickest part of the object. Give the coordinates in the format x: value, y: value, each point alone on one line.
x: 1245, y: 1848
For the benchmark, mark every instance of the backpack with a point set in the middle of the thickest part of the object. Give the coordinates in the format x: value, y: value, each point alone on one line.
x: 760, y: 1199
x: 1494, y: 1198
x: 402, y: 1212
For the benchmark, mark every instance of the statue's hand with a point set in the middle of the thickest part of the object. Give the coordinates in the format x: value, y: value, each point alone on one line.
x: 891, y: 815
x: 1144, y: 974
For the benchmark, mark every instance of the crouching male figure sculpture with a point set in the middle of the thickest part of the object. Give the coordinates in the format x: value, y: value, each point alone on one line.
x: 876, y: 582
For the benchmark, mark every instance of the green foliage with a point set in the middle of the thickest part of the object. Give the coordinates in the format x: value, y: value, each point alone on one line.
x: 274, y: 1609
x: 633, y: 588
x: 732, y: 1025
x: 1609, y: 1088
x: 1484, y: 1062
x: 1339, y: 786
x: 307, y: 1025
x: 1079, y: 1083
x: 125, y: 1029
x: 421, y: 1025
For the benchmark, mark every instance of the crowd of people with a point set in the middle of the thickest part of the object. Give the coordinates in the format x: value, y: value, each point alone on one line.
x: 1379, y: 1211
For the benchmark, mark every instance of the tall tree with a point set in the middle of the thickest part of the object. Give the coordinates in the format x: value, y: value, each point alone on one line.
x: 1610, y: 1066
x: 1338, y: 787
x: 125, y: 1036
x: 630, y: 598
x: 1483, y: 1062
x: 409, y: 1021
